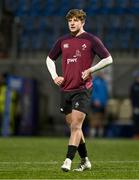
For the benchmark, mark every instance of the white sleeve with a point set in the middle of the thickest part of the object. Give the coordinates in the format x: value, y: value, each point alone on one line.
x: 51, y: 67
x: 103, y: 63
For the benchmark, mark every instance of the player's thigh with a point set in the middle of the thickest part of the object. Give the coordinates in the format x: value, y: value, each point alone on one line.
x: 77, y: 118
x: 69, y: 118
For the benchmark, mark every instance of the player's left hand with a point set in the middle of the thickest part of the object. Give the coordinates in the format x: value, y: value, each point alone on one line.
x: 86, y: 74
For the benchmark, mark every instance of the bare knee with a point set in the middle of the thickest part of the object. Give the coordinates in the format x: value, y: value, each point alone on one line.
x: 77, y: 119
x: 75, y: 127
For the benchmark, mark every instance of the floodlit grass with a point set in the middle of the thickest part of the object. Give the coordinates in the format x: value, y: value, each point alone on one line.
x: 41, y: 158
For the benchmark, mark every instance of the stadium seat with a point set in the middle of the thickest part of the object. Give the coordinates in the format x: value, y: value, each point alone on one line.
x: 10, y: 6
x: 109, y: 41
x: 49, y: 8
x: 79, y: 4
x: 122, y: 7
x: 124, y: 39
x: 24, y: 41
x: 27, y: 22
x: 23, y: 8
x: 64, y: 7
x: 129, y: 22
x: 114, y: 29
x: 134, y: 7
x: 38, y: 42
x: 135, y: 42
x: 112, y: 108
x: 93, y: 7
x: 125, y: 111
x: 114, y: 22
x: 108, y: 6
x: 34, y: 8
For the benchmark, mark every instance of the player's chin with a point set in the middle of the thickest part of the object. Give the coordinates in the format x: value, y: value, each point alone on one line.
x: 73, y: 30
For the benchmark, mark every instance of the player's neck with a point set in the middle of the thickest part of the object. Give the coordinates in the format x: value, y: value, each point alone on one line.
x: 78, y: 32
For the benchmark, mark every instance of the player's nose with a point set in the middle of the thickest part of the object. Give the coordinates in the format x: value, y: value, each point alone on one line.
x: 72, y: 22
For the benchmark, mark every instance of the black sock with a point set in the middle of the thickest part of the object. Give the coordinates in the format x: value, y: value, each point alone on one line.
x: 82, y: 150
x: 71, y: 151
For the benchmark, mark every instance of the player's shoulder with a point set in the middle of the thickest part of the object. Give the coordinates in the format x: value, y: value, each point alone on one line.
x: 64, y: 37
x: 91, y: 36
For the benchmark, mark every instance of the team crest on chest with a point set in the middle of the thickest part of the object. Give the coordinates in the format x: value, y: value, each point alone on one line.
x: 84, y: 46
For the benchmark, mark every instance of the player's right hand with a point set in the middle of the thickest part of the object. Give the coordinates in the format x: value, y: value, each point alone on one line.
x: 59, y: 80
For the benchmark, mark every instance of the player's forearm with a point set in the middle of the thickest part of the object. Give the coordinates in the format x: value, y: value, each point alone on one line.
x: 51, y: 67
x: 102, y: 64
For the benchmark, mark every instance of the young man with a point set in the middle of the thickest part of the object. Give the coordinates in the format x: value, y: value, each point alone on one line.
x: 78, y: 50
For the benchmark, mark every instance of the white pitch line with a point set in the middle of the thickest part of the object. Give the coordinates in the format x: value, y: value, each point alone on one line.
x: 117, y: 161
x: 28, y: 162
x: 56, y: 162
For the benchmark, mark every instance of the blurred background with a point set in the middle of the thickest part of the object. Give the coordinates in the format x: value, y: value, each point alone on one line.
x: 29, y: 101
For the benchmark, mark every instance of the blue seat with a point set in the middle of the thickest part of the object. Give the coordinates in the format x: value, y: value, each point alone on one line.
x: 122, y: 6
x: 27, y: 22
x: 80, y: 4
x: 34, y: 8
x: 37, y: 42
x: 130, y: 22
x: 42, y: 22
x: 135, y: 4
x: 109, y: 40
x: 64, y: 7
x: 124, y: 39
x: 49, y: 8
x: 23, y: 8
x: 114, y: 22
x: 10, y: 6
x: 24, y: 41
x: 135, y: 42
x: 108, y: 6
x: 134, y: 7
x: 93, y: 7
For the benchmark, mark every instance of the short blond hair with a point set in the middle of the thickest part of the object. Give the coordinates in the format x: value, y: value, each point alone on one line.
x: 78, y: 13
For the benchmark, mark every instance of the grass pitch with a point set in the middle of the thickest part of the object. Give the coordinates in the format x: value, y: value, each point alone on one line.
x: 41, y: 158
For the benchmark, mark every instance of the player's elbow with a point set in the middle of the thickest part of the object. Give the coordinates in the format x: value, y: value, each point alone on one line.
x: 47, y: 60
x: 109, y: 60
